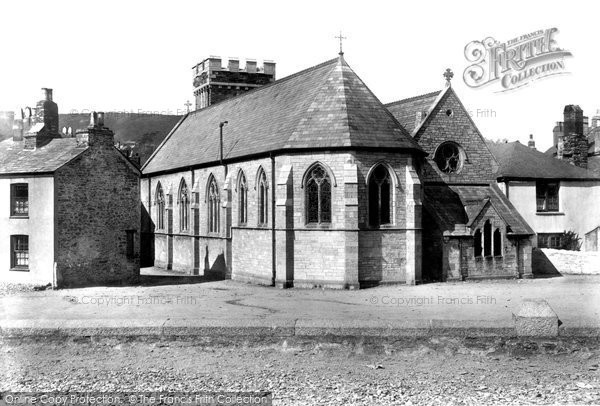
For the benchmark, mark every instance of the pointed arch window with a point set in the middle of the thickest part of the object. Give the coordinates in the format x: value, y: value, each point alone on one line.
x: 184, y: 206
x: 477, y: 243
x: 213, y: 206
x: 160, y: 207
x: 242, y: 199
x: 497, y: 243
x: 263, y: 211
x: 318, y: 196
x: 380, y: 188
x: 487, y: 238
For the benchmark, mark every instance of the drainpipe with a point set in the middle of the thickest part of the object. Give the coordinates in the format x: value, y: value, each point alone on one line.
x: 519, y: 270
x: 273, y: 238
x: 221, y: 125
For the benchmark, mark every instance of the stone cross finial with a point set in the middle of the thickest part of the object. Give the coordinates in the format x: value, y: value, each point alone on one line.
x: 448, y: 75
x: 341, y: 38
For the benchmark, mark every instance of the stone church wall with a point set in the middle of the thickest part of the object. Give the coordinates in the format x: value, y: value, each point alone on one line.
x: 252, y: 246
x: 449, y: 121
x: 336, y: 254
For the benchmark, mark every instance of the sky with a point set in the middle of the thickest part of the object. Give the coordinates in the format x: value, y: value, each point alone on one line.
x: 137, y: 56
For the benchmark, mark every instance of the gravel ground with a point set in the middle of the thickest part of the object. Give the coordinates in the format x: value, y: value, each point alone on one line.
x: 7, y: 289
x: 435, y: 371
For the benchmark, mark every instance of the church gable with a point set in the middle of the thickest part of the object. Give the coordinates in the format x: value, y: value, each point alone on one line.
x: 456, y: 148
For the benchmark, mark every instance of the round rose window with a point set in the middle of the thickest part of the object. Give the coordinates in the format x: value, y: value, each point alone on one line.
x: 449, y: 157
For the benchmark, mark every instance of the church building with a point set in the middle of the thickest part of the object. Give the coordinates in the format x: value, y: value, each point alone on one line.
x: 310, y: 181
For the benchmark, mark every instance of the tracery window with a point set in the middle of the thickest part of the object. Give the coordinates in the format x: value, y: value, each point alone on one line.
x: 263, y: 212
x: 242, y: 199
x: 318, y: 196
x: 380, y: 187
x: 160, y: 207
x: 213, y: 206
x: 449, y: 157
x: 184, y: 206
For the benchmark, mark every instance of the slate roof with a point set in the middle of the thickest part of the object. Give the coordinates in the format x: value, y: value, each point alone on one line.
x: 326, y: 106
x: 594, y: 164
x: 453, y: 205
x: 405, y: 110
x: 518, y: 161
x: 45, y: 159
x: 474, y: 198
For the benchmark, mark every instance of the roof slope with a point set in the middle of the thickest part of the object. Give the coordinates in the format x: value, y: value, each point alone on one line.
x: 45, y: 159
x: 461, y: 204
x: 474, y: 197
x: 325, y: 106
x: 518, y: 161
x: 406, y: 110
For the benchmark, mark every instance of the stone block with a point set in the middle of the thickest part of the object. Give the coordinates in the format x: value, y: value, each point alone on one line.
x: 535, y: 318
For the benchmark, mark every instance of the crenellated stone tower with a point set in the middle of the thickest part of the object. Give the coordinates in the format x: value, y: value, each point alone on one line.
x: 214, y: 83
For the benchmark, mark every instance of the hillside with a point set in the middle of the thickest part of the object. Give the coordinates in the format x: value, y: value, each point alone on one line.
x: 138, y: 128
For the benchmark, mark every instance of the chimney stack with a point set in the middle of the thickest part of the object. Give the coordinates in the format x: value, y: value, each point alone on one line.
x: 46, y: 113
x: 575, y: 145
x: 595, y: 119
x: 531, y: 142
x: 46, y: 94
x: 96, y: 135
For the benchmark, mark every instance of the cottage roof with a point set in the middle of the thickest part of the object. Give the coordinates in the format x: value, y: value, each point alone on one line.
x: 45, y: 159
x: 518, y: 161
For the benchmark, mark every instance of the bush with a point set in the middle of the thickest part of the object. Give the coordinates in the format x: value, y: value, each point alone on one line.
x: 569, y: 240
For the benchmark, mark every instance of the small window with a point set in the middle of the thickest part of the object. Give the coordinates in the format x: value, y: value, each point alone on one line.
x: 318, y: 196
x: 477, y: 243
x: 243, y: 199
x: 379, y: 197
x: 19, y: 200
x: 19, y: 252
x: 487, y: 239
x: 263, y: 198
x: 497, y: 243
x: 130, y: 243
x: 449, y: 157
x: 550, y: 240
x: 547, y: 196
